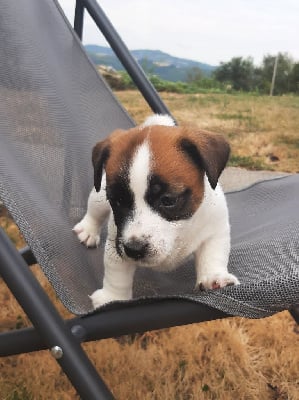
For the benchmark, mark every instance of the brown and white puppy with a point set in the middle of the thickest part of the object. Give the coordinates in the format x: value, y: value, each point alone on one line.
x: 161, y: 182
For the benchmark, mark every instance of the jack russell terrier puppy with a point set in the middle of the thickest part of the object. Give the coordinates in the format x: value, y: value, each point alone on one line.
x: 161, y: 183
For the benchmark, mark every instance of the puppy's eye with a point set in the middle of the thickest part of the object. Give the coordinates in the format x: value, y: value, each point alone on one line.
x: 156, y: 188
x: 169, y: 200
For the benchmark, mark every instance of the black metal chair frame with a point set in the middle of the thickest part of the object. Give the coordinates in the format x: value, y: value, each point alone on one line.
x: 64, y: 338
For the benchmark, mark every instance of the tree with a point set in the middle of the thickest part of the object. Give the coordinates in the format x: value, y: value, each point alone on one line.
x: 294, y: 79
x: 194, y: 75
x: 147, y: 66
x: 239, y: 72
x: 283, y: 75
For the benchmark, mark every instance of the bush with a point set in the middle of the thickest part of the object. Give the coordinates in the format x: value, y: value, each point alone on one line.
x: 123, y: 81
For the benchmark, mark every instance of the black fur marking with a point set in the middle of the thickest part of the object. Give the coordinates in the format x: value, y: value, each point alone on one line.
x: 171, y: 205
x: 99, y: 159
x: 193, y: 153
x: 211, y: 158
x: 121, y: 200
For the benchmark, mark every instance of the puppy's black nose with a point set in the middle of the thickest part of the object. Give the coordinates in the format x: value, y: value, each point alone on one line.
x: 136, y: 249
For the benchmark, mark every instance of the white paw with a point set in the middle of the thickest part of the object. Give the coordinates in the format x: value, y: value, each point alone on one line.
x: 217, y: 281
x: 87, y: 232
x: 104, y: 296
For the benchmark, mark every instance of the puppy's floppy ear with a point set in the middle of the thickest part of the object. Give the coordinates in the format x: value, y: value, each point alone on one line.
x: 100, y: 154
x: 209, y: 152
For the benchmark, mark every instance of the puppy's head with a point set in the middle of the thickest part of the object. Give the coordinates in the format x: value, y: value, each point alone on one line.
x: 155, y: 184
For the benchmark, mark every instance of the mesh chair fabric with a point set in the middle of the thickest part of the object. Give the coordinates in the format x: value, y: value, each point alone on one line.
x: 53, y: 109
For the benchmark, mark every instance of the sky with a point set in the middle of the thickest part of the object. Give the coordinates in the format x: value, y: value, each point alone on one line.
x: 209, y: 31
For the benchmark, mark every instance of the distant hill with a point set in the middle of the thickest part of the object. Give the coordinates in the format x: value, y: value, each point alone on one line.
x: 153, y: 61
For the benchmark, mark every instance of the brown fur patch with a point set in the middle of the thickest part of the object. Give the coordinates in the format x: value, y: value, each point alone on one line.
x: 122, y: 145
x: 208, y: 150
x: 172, y: 165
x: 169, y: 160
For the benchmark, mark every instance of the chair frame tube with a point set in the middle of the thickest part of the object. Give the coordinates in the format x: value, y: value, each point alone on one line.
x: 118, y: 46
x: 49, y: 324
x: 115, y: 322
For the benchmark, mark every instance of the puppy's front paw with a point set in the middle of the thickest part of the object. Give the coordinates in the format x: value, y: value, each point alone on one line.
x: 217, y: 281
x: 87, y: 232
x: 104, y: 296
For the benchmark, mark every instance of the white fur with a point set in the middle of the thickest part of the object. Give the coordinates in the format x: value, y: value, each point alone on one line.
x: 206, y: 234
x: 148, y: 224
x: 158, y: 119
x: 88, y: 229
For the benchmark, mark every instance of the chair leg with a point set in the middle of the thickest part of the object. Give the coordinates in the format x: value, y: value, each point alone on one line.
x: 64, y: 347
x: 294, y: 311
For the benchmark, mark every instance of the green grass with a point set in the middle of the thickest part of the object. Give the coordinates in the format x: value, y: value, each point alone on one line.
x: 239, y: 116
x: 248, y: 121
x: 204, y: 101
x: 247, y: 162
x: 19, y: 394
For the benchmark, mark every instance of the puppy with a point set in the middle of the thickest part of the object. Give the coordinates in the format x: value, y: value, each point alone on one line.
x: 161, y: 183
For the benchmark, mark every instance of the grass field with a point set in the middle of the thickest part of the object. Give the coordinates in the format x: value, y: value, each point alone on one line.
x: 229, y: 359
x: 262, y: 130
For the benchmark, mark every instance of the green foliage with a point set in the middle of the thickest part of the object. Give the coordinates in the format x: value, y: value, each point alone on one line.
x: 194, y: 75
x: 147, y: 65
x: 167, y: 86
x: 242, y: 75
x: 205, y: 85
x: 284, y: 71
x: 294, y: 79
x: 126, y: 81
x: 237, y: 75
x: 247, y: 162
x: 238, y: 72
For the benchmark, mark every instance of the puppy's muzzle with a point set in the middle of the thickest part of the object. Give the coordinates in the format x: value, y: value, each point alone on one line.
x: 136, y: 249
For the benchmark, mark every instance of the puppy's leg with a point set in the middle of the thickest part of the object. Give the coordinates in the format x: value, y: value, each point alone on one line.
x: 211, y: 260
x: 98, y: 210
x: 118, y: 278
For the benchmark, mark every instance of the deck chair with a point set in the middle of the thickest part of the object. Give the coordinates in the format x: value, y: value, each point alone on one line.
x: 53, y: 108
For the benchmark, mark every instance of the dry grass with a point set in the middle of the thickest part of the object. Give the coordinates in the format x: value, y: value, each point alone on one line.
x: 259, y: 128
x: 227, y: 359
